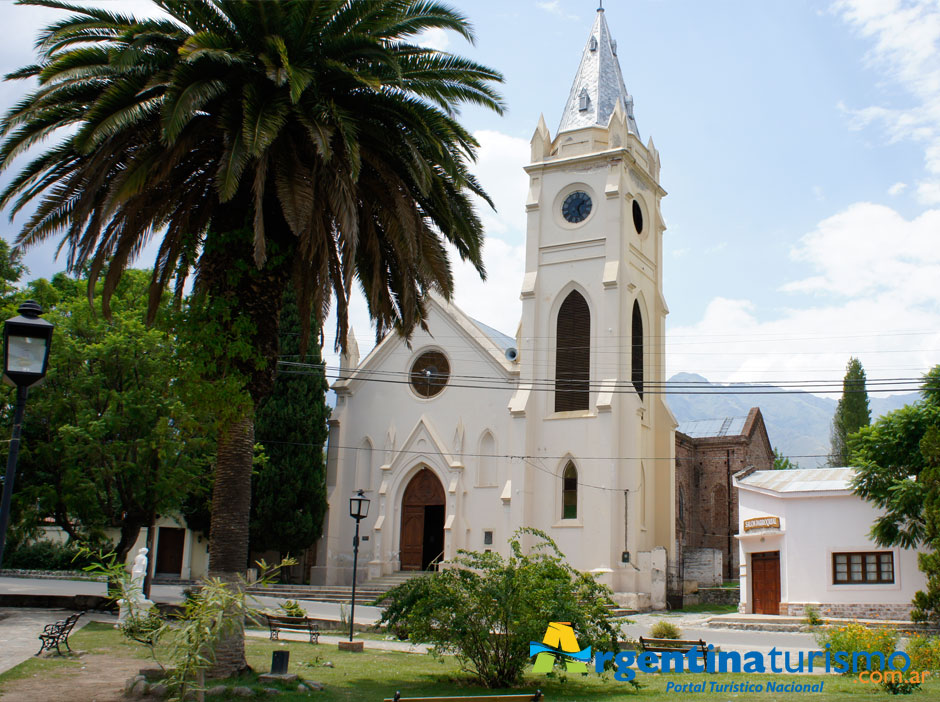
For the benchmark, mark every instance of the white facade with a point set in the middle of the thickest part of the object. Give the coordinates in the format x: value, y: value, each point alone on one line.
x: 493, y: 437
x: 820, y: 518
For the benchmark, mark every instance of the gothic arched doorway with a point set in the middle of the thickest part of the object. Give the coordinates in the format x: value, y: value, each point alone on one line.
x: 422, y: 521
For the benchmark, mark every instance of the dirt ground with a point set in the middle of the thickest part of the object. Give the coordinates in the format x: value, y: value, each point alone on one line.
x: 98, y: 678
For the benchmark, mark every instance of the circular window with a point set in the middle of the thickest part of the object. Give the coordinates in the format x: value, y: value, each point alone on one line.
x: 429, y: 373
x: 637, y: 217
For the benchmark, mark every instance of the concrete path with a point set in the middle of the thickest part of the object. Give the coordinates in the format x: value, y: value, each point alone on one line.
x: 695, y: 626
x: 174, y: 594
x: 375, y: 644
x: 20, y: 629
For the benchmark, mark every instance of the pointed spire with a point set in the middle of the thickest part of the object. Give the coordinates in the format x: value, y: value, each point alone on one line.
x: 598, y: 85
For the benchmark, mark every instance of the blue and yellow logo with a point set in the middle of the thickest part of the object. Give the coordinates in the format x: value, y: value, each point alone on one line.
x: 559, y: 642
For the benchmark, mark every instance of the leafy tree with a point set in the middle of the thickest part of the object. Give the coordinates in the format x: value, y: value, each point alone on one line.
x: 487, y: 609
x: 782, y: 462
x: 11, y: 269
x: 897, y: 460
x: 289, y: 490
x: 268, y: 142
x: 110, y: 441
x: 852, y: 412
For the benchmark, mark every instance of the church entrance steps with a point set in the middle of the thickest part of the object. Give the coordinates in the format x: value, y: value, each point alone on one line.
x: 366, y: 593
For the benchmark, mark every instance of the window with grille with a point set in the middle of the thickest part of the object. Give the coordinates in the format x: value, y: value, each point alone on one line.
x: 636, y: 360
x: 430, y: 373
x: 863, y: 568
x: 573, y: 355
x: 569, y: 492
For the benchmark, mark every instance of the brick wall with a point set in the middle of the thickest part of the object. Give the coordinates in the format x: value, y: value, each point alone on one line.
x: 706, y: 501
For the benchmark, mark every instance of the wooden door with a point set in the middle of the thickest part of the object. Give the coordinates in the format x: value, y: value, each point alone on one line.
x: 170, y: 551
x: 765, y: 582
x: 423, y: 491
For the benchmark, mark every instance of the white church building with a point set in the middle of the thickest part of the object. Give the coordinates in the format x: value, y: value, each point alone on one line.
x: 468, y: 434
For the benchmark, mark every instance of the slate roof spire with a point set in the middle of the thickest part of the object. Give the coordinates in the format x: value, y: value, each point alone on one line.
x: 598, y: 86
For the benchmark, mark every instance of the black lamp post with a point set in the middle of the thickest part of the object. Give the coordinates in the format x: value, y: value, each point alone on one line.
x: 358, y: 510
x: 26, y: 341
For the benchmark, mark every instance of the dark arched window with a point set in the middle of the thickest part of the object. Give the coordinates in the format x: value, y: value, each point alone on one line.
x: 573, y: 354
x: 569, y: 492
x: 637, y: 346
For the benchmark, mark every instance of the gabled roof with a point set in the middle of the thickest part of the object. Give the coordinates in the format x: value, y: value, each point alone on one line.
x: 491, y: 344
x: 598, y: 86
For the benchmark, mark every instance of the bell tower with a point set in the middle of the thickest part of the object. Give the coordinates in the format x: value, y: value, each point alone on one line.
x: 592, y: 337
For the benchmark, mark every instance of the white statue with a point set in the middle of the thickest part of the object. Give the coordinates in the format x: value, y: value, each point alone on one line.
x: 135, y: 604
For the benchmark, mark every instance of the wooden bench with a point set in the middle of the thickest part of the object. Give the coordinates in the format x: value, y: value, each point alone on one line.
x: 278, y: 623
x: 537, y: 696
x: 670, y: 645
x: 57, y: 633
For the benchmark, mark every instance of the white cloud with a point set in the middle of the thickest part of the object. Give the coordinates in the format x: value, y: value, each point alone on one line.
x: 499, y: 168
x: 434, y: 38
x: 897, y: 189
x: 553, y: 7
x: 906, y: 36
x: 873, y: 275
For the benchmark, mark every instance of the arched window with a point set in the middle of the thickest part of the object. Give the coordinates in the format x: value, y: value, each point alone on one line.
x: 573, y: 354
x: 364, y: 466
x: 487, y: 465
x: 569, y: 492
x: 642, y: 495
x: 637, y: 346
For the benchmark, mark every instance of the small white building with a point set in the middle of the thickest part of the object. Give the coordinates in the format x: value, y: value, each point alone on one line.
x: 804, y: 540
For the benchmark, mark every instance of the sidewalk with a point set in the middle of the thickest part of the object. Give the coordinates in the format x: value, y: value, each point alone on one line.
x: 20, y: 629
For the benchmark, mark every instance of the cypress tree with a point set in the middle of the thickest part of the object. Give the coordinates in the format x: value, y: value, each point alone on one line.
x: 289, y: 488
x: 852, y: 412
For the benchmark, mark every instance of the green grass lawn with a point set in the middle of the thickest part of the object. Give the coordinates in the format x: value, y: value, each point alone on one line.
x: 377, y: 675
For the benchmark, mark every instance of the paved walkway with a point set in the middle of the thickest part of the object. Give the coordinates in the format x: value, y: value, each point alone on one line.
x: 375, y: 644
x: 20, y: 629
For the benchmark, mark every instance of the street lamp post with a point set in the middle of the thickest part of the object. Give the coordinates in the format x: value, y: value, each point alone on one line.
x: 358, y: 510
x: 26, y: 341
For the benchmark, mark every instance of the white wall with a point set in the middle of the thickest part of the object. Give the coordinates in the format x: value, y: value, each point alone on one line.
x: 813, y: 527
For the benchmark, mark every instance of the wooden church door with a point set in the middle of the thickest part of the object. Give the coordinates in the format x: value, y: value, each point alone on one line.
x: 422, y: 509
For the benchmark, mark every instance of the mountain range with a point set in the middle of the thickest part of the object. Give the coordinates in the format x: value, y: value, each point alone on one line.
x: 797, y: 422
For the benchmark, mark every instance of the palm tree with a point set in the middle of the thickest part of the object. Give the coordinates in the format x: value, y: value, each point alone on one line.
x: 303, y: 142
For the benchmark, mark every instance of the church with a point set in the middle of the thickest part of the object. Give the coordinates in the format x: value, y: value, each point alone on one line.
x: 467, y: 434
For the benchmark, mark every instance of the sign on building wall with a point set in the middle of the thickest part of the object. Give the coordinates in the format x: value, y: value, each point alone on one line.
x: 761, y: 523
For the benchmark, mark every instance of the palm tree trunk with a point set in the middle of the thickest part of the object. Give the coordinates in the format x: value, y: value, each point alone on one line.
x: 228, y: 538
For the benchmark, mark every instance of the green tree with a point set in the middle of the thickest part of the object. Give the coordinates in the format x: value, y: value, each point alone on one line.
x: 268, y: 142
x: 289, y: 491
x: 897, y: 461
x: 852, y: 412
x: 110, y: 441
x: 486, y: 611
x: 782, y: 462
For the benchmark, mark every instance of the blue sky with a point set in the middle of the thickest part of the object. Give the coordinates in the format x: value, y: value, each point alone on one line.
x: 800, y: 146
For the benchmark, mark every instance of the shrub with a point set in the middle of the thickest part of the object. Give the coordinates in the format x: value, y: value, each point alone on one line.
x: 812, y: 617
x: 45, y: 555
x: 855, y: 638
x: 292, y: 609
x: 924, y: 652
x: 665, y: 630
x: 488, y: 608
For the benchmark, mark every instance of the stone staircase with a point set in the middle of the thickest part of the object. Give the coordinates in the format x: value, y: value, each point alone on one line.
x: 366, y: 593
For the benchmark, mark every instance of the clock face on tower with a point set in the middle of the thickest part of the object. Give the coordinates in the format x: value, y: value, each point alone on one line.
x: 576, y: 207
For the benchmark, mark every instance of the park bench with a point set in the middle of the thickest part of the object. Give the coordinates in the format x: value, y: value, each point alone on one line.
x: 669, y: 645
x: 535, y: 697
x: 278, y: 623
x: 58, y: 633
